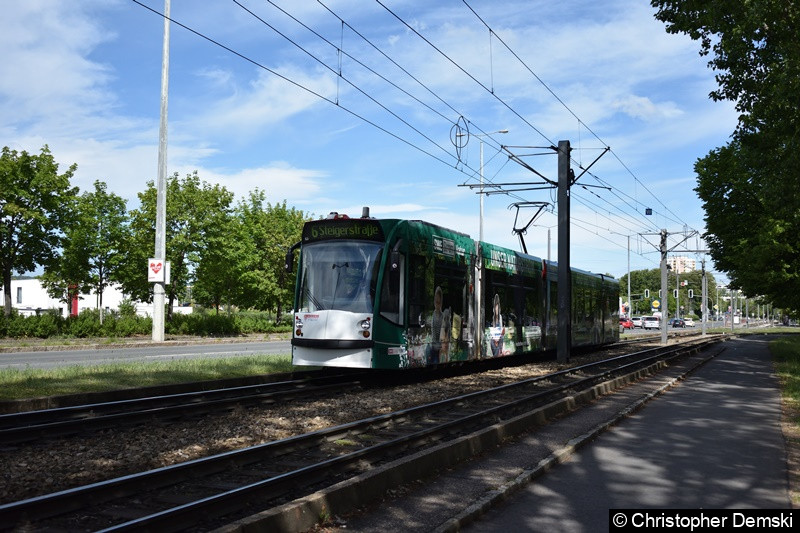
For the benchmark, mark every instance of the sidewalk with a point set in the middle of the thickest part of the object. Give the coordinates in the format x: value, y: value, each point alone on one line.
x: 713, y: 442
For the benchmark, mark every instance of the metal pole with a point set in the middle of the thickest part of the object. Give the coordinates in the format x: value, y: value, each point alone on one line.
x: 704, y: 291
x: 480, y: 230
x: 664, y: 288
x: 630, y: 305
x: 747, y: 311
x: 564, y: 272
x: 548, y: 245
x: 161, y: 198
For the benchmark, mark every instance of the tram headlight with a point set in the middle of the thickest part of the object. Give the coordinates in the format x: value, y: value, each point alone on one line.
x: 365, y: 324
x: 298, y: 326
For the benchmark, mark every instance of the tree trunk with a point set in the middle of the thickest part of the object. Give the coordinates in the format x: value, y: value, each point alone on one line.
x: 7, y: 292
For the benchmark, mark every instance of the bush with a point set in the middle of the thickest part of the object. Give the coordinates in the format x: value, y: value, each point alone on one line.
x: 125, y: 323
x: 44, y: 326
x: 127, y: 308
x: 86, y: 324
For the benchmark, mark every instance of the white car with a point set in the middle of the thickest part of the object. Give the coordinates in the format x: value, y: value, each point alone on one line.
x: 651, y: 322
x: 689, y: 322
x: 637, y: 322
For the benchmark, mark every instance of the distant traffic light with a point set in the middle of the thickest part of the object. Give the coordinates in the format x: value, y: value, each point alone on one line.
x: 647, y: 293
x: 691, y: 293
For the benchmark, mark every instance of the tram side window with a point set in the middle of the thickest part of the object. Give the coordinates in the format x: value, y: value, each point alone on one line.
x: 392, y: 301
x: 420, y: 289
x: 450, y: 282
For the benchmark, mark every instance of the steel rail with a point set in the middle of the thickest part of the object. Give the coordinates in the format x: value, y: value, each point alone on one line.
x: 30, y: 425
x: 182, y: 515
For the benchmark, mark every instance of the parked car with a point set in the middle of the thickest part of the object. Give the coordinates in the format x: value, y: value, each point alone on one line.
x: 637, y: 322
x: 651, y: 322
x: 689, y: 322
x: 626, y: 323
x: 677, y: 323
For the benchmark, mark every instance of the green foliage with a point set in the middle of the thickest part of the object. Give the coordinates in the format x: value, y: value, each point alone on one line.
x: 786, y: 351
x: 749, y: 187
x: 36, y: 206
x: 651, y: 280
x: 271, y: 230
x: 127, y: 308
x: 118, y: 325
x: 93, y: 248
x: 196, y: 216
x: 220, y: 256
x: 86, y: 324
x: 214, y: 324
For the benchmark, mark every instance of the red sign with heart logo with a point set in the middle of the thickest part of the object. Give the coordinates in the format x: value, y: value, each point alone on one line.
x: 155, y: 267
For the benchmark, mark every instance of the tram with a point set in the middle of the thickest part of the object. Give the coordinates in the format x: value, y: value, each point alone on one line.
x: 394, y: 294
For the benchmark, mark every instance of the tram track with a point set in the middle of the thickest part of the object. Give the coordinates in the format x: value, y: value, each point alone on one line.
x: 273, y: 472
x: 27, y: 426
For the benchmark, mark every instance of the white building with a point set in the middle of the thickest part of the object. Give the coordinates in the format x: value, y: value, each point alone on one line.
x: 681, y: 265
x: 29, y: 297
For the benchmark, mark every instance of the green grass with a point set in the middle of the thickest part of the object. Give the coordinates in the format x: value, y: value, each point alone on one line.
x: 786, y: 351
x: 34, y: 383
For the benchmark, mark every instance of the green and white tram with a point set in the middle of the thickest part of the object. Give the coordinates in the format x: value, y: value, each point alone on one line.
x: 393, y: 293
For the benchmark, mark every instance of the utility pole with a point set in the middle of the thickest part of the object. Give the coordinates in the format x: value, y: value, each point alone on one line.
x: 630, y: 304
x: 704, y: 305
x: 664, y: 296
x: 564, y: 271
x: 159, y: 291
x: 662, y: 248
x: 565, y: 180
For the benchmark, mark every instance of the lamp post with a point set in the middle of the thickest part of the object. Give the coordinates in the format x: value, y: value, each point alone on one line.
x: 478, y: 308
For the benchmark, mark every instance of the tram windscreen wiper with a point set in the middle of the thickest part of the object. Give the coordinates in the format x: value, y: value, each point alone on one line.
x: 318, y: 306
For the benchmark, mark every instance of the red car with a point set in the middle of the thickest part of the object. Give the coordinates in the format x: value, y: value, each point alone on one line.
x: 626, y: 323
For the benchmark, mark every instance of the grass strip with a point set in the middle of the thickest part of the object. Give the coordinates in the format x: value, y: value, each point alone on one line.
x: 18, y: 383
x: 786, y: 352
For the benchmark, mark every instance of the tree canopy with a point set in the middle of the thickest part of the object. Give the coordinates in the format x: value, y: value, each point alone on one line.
x: 220, y: 255
x: 36, y: 204
x: 196, y: 215
x: 94, y: 245
x: 750, y: 188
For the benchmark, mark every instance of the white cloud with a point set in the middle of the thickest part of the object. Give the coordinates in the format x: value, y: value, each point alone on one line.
x: 279, y: 180
x: 644, y: 108
x: 46, y: 78
x: 266, y: 101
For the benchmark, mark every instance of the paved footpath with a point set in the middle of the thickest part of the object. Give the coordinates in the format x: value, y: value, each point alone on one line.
x: 712, y: 442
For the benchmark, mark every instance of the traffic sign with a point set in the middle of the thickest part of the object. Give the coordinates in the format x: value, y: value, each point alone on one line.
x: 656, y: 304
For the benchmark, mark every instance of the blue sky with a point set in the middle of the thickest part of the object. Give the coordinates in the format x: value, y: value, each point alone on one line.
x: 84, y: 77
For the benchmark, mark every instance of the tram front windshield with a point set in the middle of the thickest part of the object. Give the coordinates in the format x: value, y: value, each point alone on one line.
x: 339, y: 275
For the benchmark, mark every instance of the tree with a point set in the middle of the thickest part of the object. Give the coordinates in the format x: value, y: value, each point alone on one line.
x: 36, y: 205
x: 196, y: 212
x: 218, y: 277
x: 271, y: 230
x: 93, y: 249
x: 749, y: 188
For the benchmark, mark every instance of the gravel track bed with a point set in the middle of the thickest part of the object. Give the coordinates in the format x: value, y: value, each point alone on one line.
x: 69, y: 462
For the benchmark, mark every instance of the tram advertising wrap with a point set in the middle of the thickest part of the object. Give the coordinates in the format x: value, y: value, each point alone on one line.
x: 391, y: 293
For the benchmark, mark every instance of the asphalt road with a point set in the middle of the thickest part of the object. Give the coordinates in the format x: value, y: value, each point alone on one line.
x: 130, y: 354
